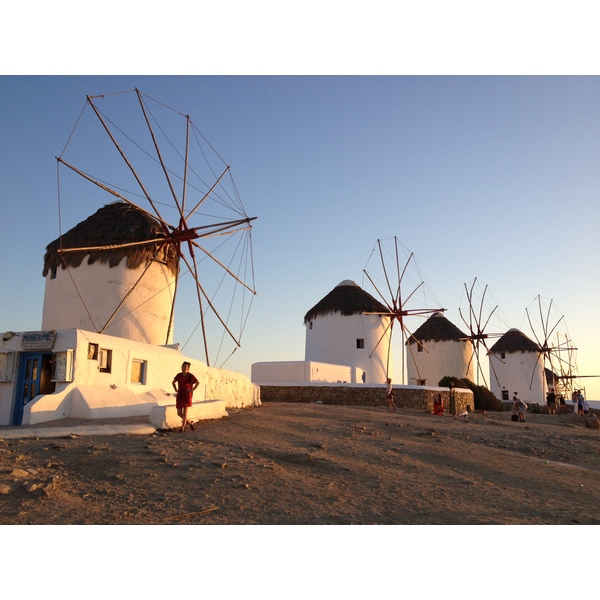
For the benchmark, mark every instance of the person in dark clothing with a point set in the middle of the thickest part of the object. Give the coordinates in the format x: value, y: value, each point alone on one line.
x: 184, y: 384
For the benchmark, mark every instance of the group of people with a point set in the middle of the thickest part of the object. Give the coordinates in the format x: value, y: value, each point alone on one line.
x: 438, y: 402
x: 185, y: 383
x: 577, y: 398
x: 582, y: 405
x: 552, y: 400
x: 519, y: 407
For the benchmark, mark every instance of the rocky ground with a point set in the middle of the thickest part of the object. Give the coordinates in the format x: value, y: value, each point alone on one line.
x: 312, y: 464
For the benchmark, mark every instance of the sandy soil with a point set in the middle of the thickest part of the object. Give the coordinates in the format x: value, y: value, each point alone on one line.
x: 312, y: 464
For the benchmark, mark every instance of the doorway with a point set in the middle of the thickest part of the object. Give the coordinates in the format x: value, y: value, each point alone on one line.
x: 35, y: 377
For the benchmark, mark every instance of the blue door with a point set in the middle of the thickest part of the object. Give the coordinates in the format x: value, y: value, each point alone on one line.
x: 28, y: 383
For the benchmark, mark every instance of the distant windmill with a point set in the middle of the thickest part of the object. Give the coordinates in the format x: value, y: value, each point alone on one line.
x: 396, y: 279
x: 556, y: 353
x: 477, y: 320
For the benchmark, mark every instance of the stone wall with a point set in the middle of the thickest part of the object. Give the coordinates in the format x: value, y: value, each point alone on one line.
x: 363, y: 395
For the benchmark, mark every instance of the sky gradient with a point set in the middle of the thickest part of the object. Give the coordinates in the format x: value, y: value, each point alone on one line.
x: 494, y: 178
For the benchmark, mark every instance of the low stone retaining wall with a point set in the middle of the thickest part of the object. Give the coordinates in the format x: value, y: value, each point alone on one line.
x: 542, y: 409
x: 363, y: 395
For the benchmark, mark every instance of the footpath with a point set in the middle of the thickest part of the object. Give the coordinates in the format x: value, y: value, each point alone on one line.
x: 79, y: 427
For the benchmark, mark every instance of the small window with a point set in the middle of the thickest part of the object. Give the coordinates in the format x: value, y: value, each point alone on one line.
x: 310, y: 324
x: 92, y: 352
x: 7, y: 360
x: 53, y: 273
x: 421, y: 381
x: 62, y: 366
x: 505, y: 395
x: 105, y: 360
x: 360, y: 343
x: 419, y: 347
x: 503, y: 355
x: 138, y: 371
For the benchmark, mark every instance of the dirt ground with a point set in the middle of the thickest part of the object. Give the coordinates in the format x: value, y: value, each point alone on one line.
x: 284, y: 464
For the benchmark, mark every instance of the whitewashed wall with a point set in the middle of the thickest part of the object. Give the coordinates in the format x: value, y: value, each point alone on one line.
x: 303, y: 372
x: 143, y: 317
x: 94, y: 394
x: 438, y: 359
x: 332, y: 339
x: 521, y: 372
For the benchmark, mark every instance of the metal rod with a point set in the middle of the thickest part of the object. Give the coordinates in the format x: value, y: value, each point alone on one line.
x: 114, y: 141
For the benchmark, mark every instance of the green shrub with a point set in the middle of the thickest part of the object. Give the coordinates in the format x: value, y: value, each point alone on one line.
x: 482, y: 397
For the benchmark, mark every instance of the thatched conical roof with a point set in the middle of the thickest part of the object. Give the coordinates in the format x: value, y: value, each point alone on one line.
x: 514, y: 341
x: 438, y: 329
x: 114, y: 224
x: 346, y: 298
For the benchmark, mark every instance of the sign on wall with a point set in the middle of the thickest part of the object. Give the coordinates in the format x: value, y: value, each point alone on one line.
x: 38, y: 340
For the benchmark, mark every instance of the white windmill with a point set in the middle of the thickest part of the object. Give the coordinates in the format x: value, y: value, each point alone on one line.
x: 397, y: 281
x: 178, y: 220
x: 478, y: 316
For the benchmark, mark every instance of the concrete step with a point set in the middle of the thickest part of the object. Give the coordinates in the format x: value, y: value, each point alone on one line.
x: 166, y: 417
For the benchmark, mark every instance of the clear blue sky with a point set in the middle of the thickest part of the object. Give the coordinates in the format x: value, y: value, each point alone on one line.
x: 490, y: 177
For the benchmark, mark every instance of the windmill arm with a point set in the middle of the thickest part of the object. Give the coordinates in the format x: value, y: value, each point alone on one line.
x: 209, y: 192
x: 218, y: 228
x: 113, y: 246
x: 223, y: 267
x: 110, y: 191
x: 380, y: 294
x: 201, y: 289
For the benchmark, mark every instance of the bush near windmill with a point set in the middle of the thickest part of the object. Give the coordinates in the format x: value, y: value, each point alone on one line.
x: 482, y: 397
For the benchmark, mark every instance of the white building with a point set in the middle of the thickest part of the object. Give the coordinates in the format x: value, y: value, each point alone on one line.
x: 114, y: 287
x: 436, y: 349
x: 516, y: 365
x: 342, y: 330
x: 347, y: 341
x: 72, y: 373
x: 104, y: 349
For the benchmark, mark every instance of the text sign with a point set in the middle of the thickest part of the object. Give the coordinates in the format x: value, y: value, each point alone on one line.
x: 38, y: 340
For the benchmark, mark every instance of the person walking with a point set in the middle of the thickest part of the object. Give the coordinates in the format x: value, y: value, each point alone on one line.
x: 389, y: 394
x: 184, y: 384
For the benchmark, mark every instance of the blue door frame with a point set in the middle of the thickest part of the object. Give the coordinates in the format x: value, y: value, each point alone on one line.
x: 28, y: 382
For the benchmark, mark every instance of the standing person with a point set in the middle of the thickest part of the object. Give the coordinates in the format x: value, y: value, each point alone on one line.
x: 438, y: 405
x: 561, y: 405
x: 452, y: 401
x: 551, y: 402
x: 389, y: 394
x: 519, y: 407
x: 579, y: 403
x: 184, y: 384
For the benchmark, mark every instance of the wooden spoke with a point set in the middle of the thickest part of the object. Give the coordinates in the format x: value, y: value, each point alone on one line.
x: 186, y: 231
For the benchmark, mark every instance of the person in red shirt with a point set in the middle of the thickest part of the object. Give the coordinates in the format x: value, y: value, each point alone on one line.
x: 184, y: 384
